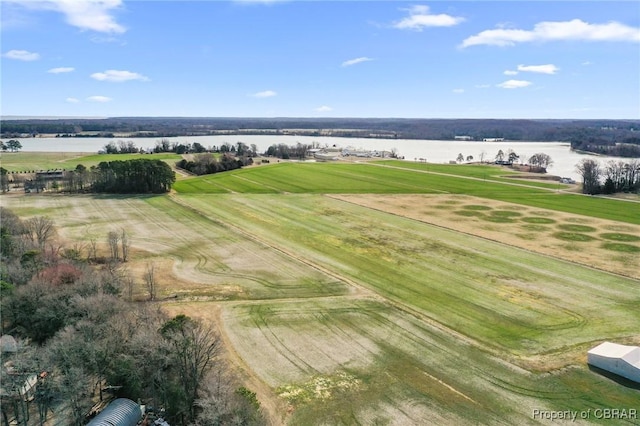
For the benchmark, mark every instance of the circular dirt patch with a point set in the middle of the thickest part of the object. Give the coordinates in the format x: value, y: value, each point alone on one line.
x: 538, y: 220
x: 499, y: 219
x: 616, y: 236
x: 576, y: 219
x: 573, y: 236
x: 476, y: 207
x: 503, y: 216
x: 625, y: 248
x: 576, y: 228
x: 534, y: 227
x: 469, y: 213
x: 619, y: 228
x: 505, y: 213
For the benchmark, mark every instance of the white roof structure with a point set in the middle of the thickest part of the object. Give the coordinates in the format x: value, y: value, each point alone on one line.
x: 8, y: 344
x: 619, y: 359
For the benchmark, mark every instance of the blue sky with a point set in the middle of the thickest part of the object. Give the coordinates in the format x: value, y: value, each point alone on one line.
x: 441, y: 59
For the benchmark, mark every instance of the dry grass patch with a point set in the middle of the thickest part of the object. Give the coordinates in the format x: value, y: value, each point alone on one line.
x: 534, y: 229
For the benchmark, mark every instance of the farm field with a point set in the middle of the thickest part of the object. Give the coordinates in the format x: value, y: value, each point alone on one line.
x: 359, y: 294
x: 371, y: 178
x: 478, y: 171
x: 29, y: 161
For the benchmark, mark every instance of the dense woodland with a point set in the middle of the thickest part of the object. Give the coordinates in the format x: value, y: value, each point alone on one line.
x: 588, y: 135
x: 138, y: 176
x: 88, y: 335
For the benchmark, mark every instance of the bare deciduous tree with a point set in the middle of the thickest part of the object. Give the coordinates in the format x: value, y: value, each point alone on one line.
x: 590, y: 171
x: 125, y: 243
x: 93, y: 249
x: 40, y: 230
x: 150, y: 280
x: 113, y: 238
x: 193, y: 348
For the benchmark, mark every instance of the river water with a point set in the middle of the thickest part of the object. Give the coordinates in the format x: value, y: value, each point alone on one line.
x: 433, y: 151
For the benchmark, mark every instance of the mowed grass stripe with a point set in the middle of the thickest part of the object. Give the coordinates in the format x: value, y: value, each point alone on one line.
x: 478, y: 171
x: 363, y: 178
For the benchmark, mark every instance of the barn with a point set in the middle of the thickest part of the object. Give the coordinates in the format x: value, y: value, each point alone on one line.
x: 618, y: 359
x: 121, y: 412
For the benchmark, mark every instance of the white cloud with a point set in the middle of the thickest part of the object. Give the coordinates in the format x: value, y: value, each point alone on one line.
x: 324, y: 108
x: 95, y: 15
x: 575, y: 29
x: 61, y: 70
x: 541, y: 69
x: 118, y: 76
x: 22, y: 55
x: 458, y: 90
x: 356, y: 61
x: 265, y: 94
x: 101, y: 99
x: 419, y: 18
x: 510, y: 72
x: 482, y: 86
x: 73, y: 100
x: 587, y: 63
x: 514, y: 84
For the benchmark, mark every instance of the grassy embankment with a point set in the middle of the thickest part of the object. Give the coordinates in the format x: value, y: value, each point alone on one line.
x: 355, y: 315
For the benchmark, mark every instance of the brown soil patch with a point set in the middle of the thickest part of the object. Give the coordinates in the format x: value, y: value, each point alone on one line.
x: 512, y: 224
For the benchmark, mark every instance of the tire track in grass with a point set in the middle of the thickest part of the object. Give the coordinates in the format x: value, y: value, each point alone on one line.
x: 499, y: 354
x: 201, y: 259
x: 256, y: 183
x: 361, y: 289
x: 280, y: 346
x: 285, y: 252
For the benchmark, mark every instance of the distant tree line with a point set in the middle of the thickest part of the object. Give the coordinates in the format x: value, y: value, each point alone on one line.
x: 286, y: 152
x: 612, y: 177
x: 627, y: 147
x: 612, y: 131
x: 207, y: 163
x: 82, y: 334
x: 240, y: 149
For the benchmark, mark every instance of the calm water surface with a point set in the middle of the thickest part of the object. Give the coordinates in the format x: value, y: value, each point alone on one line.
x: 434, y: 151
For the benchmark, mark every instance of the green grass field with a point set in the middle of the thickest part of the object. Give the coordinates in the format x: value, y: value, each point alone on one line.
x: 362, y: 178
x: 31, y: 161
x: 507, y: 299
x: 353, y: 315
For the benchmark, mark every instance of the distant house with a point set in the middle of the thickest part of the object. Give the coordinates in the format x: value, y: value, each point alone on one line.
x: 50, y: 175
x: 618, y: 359
x: 493, y: 140
x: 463, y: 138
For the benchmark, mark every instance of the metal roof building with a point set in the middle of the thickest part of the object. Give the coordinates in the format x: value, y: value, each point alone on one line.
x: 619, y: 359
x: 121, y: 412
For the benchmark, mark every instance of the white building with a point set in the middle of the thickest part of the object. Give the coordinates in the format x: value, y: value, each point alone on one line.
x: 619, y: 359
